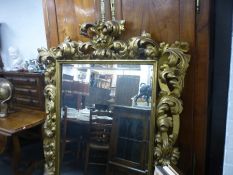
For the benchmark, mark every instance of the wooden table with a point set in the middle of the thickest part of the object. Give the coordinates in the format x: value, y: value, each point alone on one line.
x: 16, y: 122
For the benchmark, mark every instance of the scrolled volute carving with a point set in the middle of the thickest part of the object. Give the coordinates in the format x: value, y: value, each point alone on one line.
x: 173, y: 64
x: 104, y: 45
x: 143, y: 47
x: 50, y: 128
x: 102, y: 34
x: 48, y: 58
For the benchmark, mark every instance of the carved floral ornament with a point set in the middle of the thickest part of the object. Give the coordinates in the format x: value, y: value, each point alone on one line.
x: 104, y: 45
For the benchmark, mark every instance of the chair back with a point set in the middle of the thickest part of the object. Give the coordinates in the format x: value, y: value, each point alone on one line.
x: 100, y: 127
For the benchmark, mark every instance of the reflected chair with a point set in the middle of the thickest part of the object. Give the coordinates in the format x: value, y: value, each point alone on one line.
x: 97, y: 147
x: 70, y: 145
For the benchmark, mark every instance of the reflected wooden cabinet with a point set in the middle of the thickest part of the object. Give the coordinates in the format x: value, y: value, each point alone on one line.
x: 74, y: 93
x: 28, y: 89
x: 129, y: 140
x: 123, y: 96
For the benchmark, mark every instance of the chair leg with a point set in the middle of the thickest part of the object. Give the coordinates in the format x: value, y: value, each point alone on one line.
x: 78, y: 156
x: 83, y: 153
x: 86, y: 160
x: 63, y: 148
x: 107, y: 169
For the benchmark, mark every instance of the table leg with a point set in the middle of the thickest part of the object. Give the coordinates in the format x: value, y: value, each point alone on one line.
x: 16, y: 154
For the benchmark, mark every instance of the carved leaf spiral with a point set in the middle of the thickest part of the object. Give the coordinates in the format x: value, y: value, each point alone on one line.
x: 103, y: 45
x: 173, y: 64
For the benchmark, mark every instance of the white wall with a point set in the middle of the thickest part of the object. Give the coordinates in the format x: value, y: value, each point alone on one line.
x: 22, y: 26
x: 228, y: 155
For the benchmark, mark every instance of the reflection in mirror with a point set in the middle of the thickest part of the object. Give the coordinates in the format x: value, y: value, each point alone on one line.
x: 105, y: 113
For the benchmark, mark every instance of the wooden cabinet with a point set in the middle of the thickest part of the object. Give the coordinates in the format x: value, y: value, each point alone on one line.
x: 129, y: 140
x: 123, y: 92
x: 28, y: 89
x: 98, y: 96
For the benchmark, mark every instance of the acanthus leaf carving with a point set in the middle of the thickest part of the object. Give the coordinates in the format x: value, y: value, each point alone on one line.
x: 173, y: 64
x: 104, y: 45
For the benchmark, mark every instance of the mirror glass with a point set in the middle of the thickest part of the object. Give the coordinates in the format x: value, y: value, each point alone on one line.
x: 105, y: 112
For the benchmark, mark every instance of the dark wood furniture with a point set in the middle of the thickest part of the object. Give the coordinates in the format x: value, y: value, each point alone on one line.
x: 14, y: 124
x: 23, y: 124
x: 78, y: 121
x: 70, y: 146
x: 99, y: 138
x: 74, y: 93
x: 76, y: 128
x: 28, y: 89
x: 98, y: 96
x: 123, y: 92
x: 129, y: 140
x: 20, y: 120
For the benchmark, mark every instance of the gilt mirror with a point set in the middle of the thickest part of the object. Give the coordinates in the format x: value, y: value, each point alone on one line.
x: 112, y: 106
x: 122, y: 91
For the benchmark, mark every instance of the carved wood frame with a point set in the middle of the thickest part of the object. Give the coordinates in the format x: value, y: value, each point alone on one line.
x: 103, y: 45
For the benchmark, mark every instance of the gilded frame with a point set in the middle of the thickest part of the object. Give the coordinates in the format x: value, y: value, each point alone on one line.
x: 173, y: 62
